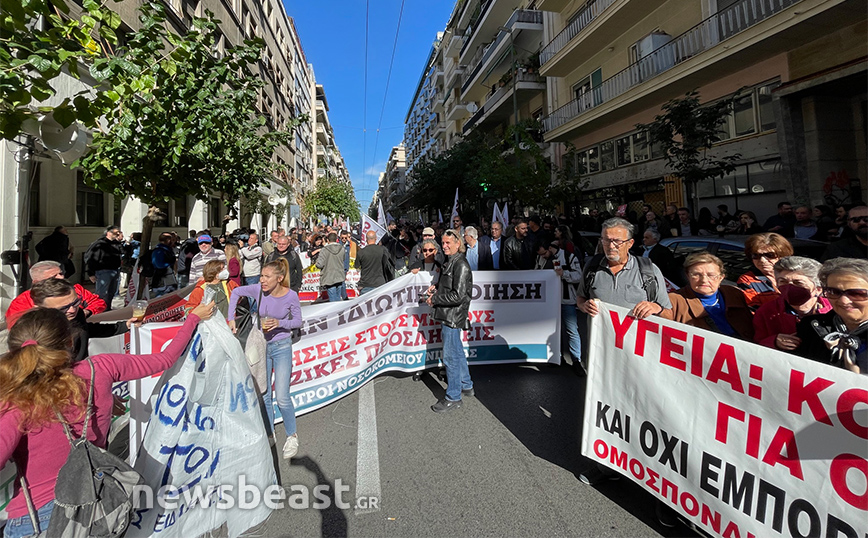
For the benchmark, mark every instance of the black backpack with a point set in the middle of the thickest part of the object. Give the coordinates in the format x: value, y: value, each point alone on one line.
x: 646, y: 267
x: 93, y: 495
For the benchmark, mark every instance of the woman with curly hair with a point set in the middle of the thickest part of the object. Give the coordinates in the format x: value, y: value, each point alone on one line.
x: 38, y: 382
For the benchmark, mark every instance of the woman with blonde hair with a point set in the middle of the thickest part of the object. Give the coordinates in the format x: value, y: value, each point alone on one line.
x: 233, y: 259
x: 763, y: 251
x: 707, y: 304
x: 280, y: 312
x: 40, y: 387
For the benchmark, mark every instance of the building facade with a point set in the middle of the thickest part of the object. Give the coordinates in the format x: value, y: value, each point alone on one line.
x: 797, y: 70
x: 329, y: 160
x: 39, y: 191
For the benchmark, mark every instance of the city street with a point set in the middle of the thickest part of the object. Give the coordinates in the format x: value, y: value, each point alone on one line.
x: 505, y: 464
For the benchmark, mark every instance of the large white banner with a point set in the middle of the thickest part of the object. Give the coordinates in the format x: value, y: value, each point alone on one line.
x: 742, y: 440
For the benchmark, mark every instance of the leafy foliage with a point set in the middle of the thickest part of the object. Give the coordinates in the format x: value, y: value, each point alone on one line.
x: 332, y: 197
x: 687, y: 130
x: 505, y: 167
x: 185, y: 121
x: 39, y: 41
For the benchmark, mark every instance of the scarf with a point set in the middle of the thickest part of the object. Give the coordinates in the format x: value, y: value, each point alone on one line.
x: 845, y: 345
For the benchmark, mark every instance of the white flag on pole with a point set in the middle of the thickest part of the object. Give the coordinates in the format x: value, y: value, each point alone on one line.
x: 495, y: 217
x: 369, y: 224
x: 439, y: 216
x: 455, y: 205
x: 381, y: 216
x: 504, y: 215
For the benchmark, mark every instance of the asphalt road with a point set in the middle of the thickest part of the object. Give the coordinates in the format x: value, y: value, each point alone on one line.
x: 505, y: 464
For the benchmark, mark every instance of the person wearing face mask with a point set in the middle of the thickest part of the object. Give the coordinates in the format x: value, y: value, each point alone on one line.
x: 215, y: 276
x: 776, y: 322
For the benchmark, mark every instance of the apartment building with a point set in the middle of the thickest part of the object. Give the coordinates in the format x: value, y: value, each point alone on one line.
x: 39, y: 191
x: 328, y: 157
x: 423, y: 128
x: 393, y: 187
x: 798, y: 68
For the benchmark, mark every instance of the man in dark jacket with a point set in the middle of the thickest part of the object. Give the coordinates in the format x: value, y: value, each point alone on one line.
x: 661, y: 256
x: 491, y: 248
x: 517, y: 251
x: 375, y: 265
x: 451, y: 301
x: 54, y: 247
x: 61, y: 295
x: 855, y: 245
x: 189, y: 248
x: 103, y: 262
x: 283, y: 250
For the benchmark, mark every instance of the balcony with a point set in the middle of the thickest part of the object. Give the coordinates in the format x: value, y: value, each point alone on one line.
x: 706, y: 52
x: 321, y: 133
x: 491, y: 16
x: 591, y: 30
x: 454, y: 76
x: 526, y: 26
x: 453, y: 46
x: 439, y: 105
x: 552, y: 5
x: 438, y: 75
x: 499, y: 105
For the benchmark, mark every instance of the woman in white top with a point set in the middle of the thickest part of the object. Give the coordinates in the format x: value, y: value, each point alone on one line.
x: 428, y: 261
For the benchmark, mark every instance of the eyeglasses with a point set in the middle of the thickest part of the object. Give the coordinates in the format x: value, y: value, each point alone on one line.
x: 617, y: 242
x: 766, y: 255
x: 854, y: 220
x: 75, y: 304
x: 857, y: 295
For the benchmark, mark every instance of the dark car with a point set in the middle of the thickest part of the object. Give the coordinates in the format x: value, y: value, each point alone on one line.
x: 730, y: 250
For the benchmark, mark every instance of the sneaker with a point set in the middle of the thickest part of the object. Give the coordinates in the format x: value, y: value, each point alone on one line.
x: 290, y: 449
x: 468, y: 392
x: 444, y: 405
x: 595, y: 475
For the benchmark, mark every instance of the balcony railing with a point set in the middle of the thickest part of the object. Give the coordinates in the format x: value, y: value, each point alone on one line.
x: 474, y: 24
x: 588, y: 13
x: 523, y: 76
x: 473, y: 119
x: 705, y: 35
x: 483, y: 54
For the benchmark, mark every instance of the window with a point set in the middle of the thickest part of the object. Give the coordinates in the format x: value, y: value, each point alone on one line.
x: 215, y: 214
x: 734, y: 260
x: 641, y: 151
x: 625, y: 155
x: 180, y: 215
x: 607, y: 155
x: 764, y: 104
x: 581, y: 88
x: 742, y: 113
x: 593, y: 160
x: 89, y: 204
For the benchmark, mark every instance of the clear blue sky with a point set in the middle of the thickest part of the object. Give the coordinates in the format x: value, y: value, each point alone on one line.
x: 333, y: 36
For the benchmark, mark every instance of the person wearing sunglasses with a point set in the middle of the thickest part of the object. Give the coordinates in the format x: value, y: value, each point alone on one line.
x: 758, y: 284
x: 60, y: 295
x: 855, y: 244
x: 430, y: 260
x: 840, y: 337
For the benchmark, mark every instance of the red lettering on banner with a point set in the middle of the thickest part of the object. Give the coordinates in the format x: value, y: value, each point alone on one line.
x: 838, y: 470
x: 724, y: 367
x: 668, y: 345
x: 784, y: 440
x: 799, y: 394
x: 621, y: 328
x: 696, y: 355
x: 754, y: 430
x: 846, y: 403
x: 711, y: 518
x: 643, y: 327
x: 724, y: 413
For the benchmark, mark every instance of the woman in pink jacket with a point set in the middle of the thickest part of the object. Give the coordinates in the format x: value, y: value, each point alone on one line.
x: 775, y: 322
x: 36, y: 377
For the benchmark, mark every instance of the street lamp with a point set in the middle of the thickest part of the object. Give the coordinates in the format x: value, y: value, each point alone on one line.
x: 514, y: 70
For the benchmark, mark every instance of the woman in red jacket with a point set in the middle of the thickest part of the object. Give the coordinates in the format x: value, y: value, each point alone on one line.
x: 775, y: 322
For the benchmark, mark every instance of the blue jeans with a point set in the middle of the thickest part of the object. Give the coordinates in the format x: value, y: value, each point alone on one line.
x: 334, y: 292
x: 365, y: 290
x: 22, y: 526
x: 457, y: 372
x: 570, y: 327
x: 344, y: 295
x: 278, y: 357
x: 107, y: 285
x: 251, y: 280
x: 162, y: 290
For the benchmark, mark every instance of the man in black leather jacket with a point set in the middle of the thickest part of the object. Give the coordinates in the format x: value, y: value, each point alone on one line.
x: 517, y: 250
x: 451, y: 302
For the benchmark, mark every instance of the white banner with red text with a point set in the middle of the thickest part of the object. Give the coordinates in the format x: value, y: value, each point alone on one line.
x: 742, y: 440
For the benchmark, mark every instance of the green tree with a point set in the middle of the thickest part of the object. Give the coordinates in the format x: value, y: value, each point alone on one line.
x: 39, y: 41
x: 332, y: 198
x: 687, y: 130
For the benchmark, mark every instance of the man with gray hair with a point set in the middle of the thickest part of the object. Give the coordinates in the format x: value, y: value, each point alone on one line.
x: 90, y: 302
x: 471, y: 239
x: 623, y: 280
x: 661, y: 256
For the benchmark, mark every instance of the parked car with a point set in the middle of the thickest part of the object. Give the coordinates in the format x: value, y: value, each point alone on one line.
x: 730, y: 250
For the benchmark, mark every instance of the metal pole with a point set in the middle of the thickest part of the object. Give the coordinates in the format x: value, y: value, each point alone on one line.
x: 514, y: 86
